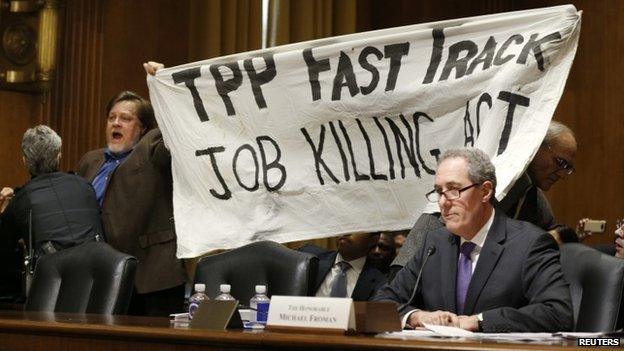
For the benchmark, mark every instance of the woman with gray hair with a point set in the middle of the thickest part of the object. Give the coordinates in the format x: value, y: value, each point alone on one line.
x: 59, y: 208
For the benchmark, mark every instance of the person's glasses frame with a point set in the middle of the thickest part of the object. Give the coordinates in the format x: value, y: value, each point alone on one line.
x: 451, y: 194
x: 562, y: 164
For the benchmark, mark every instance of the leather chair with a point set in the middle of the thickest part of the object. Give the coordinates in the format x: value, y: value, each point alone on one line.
x: 596, y: 285
x: 282, y: 270
x: 88, y: 278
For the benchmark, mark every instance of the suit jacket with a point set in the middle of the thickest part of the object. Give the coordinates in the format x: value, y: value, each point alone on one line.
x: 517, y: 283
x: 535, y: 209
x: 137, y: 211
x: 64, y: 213
x: 369, y: 281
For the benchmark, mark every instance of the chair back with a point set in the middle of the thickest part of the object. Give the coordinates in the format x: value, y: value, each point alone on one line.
x: 88, y: 278
x: 282, y: 270
x: 596, y: 285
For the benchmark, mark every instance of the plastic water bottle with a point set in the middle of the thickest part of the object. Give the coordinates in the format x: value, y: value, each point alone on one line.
x: 198, y: 297
x: 259, y: 305
x: 225, y: 292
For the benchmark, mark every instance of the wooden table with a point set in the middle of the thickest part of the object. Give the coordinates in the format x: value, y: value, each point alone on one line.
x: 57, y: 331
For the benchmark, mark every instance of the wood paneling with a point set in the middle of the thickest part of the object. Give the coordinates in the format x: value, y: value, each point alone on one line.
x: 104, y: 44
x: 77, y: 98
x: 591, y: 104
x: 16, y: 115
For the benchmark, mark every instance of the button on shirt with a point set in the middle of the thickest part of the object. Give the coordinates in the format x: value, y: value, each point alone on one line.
x: 352, y: 276
x: 100, y: 181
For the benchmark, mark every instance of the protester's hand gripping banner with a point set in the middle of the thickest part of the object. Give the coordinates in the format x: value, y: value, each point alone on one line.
x: 341, y: 135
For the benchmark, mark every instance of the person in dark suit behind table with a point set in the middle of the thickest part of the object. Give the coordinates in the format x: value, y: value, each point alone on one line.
x: 346, y: 272
x: 525, y: 201
x: 133, y: 183
x: 484, y: 270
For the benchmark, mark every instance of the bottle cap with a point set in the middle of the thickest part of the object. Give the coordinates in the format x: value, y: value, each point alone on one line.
x: 200, y: 287
x: 260, y: 289
x: 225, y: 288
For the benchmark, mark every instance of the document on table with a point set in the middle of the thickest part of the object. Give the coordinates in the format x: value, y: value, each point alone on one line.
x: 430, y: 331
x: 437, y: 331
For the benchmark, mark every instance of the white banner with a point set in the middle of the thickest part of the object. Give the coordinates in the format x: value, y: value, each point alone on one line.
x: 340, y: 135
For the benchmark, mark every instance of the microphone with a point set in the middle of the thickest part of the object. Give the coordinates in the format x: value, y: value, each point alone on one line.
x: 430, y: 251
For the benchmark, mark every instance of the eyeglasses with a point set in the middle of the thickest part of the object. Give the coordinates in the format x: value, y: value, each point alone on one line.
x: 451, y: 194
x: 562, y: 163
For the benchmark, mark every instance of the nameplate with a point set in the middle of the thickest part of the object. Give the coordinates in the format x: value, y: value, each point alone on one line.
x: 311, y: 312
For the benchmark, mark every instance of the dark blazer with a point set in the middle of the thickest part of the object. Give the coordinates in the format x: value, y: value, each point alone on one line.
x: 64, y: 213
x: 137, y: 211
x: 535, y: 209
x: 517, y: 284
x: 369, y: 281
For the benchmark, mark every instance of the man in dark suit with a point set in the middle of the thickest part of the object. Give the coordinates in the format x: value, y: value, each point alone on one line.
x: 346, y: 272
x: 525, y: 201
x: 483, y: 271
x: 56, y: 210
x: 133, y: 183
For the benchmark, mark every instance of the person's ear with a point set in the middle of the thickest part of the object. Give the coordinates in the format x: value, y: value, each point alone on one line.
x: 488, y: 191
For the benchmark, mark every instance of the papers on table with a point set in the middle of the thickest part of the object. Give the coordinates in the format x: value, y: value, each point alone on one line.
x: 448, y: 331
x: 436, y: 331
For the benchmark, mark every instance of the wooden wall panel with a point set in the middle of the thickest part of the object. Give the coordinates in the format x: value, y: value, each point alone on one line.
x: 16, y: 115
x: 77, y: 95
x: 104, y: 44
x: 591, y: 104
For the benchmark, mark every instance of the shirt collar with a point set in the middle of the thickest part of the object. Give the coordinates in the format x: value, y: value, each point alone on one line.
x: 479, y: 239
x: 109, y: 155
x: 357, y: 264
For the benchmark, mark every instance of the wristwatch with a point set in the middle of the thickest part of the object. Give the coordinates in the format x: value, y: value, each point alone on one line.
x: 480, y: 322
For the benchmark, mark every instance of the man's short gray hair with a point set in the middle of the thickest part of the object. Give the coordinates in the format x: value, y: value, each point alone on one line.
x: 41, y: 147
x: 480, y: 168
x: 554, y: 131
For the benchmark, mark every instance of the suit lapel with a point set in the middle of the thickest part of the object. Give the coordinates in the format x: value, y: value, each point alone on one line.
x: 364, y: 285
x: 448, y: 269
x: 97, y: 163
x: 509, y: 204
x: 490, y: 253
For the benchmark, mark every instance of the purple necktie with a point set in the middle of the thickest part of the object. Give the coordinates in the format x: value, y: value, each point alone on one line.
x: 464, y: 273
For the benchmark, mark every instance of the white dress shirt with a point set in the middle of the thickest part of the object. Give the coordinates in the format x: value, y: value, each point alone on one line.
x: 353, y: 274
